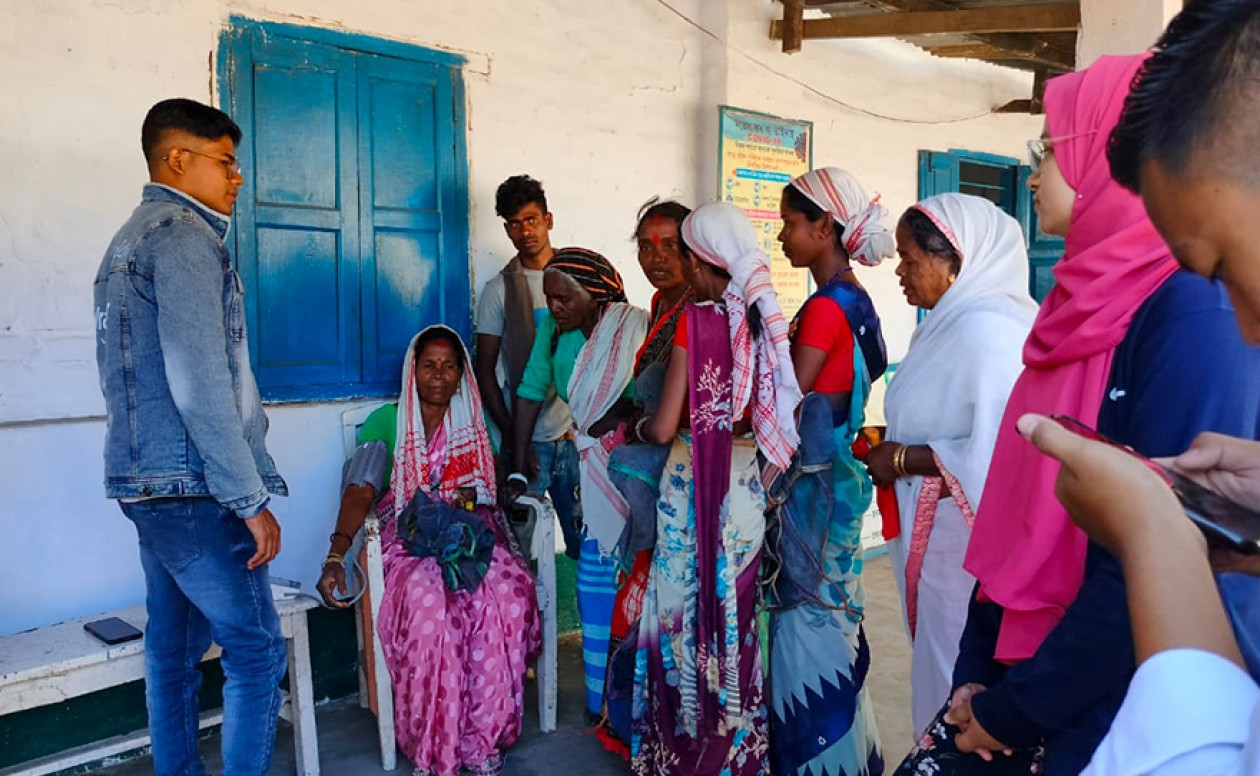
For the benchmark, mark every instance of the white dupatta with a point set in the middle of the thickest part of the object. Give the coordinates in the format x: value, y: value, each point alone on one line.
x: 949, y: 393
x: 762, y: 375
x: 604, y: 367
x: 468, y: 460
x: 950, y: 389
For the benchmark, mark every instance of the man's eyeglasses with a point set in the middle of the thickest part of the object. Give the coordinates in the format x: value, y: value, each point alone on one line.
x: 230, y: 165
x: 1040, y: 147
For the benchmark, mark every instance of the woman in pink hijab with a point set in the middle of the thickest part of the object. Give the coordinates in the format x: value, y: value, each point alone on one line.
x: 1127, y: 344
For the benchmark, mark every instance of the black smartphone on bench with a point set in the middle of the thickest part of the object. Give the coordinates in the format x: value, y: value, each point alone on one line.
x: 1224, y: 522
x: 113, y: 630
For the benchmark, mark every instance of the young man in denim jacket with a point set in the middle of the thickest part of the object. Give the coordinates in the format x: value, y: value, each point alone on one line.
x: 185, y: 454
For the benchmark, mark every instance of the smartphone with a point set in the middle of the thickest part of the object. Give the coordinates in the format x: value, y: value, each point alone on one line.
x: 112, y: 630
x: 1224, y: 522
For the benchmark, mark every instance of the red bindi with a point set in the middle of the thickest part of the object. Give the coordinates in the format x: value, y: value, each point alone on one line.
x: 657, y: 219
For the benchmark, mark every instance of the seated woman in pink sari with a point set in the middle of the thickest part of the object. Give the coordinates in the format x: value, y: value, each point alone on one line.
x: 458, y: 624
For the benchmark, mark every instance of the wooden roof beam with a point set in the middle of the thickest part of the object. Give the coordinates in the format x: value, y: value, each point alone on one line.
x: 1048, y: 17
x: 1004, y: 45
x: 976, y: 50
x: 1035, y: 53
x: 1014, y: 46
x: 793, y: 25
x: 1036, y: 106
x: 1035, y: 50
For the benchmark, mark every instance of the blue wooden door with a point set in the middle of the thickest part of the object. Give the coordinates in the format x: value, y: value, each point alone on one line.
x: 351, y: 226
x: 938, y: 173
x: 297, y: 218
x: 408, y: 180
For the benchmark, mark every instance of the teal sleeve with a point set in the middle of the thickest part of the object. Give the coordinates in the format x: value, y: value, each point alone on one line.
x: 539, y: 376
x: 629, y: 392
x: 382, y: 426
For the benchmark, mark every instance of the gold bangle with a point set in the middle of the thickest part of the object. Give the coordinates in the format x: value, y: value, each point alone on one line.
x: 333, y: 557
x: 899, y: 462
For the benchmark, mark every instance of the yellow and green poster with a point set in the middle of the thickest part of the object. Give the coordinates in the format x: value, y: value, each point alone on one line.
x: 758, y: 154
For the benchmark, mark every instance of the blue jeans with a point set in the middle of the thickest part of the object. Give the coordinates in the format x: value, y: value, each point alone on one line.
x: 558, y: 477
x: 194, y: 553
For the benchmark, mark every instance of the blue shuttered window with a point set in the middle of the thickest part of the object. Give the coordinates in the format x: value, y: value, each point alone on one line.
x: 1003, y: 181
x: 351, y: 229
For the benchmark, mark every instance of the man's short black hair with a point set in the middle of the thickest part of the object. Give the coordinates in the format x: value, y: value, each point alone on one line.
x: 1200, y: 89
x: 181, y: 115
x: 517, y: 192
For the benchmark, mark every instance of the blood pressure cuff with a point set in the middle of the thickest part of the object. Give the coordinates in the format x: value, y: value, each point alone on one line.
x: 366, y: 466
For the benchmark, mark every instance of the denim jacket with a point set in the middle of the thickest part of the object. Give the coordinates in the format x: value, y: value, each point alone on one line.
x: 184, y: 417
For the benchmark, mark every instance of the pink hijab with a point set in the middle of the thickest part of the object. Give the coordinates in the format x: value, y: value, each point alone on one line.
x: 1025, y: 551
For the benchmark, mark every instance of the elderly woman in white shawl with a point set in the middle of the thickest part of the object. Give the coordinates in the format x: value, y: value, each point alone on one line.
x: 964, y: 261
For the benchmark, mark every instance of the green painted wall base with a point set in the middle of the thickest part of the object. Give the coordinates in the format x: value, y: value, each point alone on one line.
x: 567, y: 620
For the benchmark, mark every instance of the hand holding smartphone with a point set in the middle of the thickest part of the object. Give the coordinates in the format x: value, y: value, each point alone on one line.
x: 1225, y: 523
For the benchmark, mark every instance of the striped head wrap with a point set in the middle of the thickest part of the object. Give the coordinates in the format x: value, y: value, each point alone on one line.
x: 838, y: 193
x: 762, y: 374
x: 592, y: 272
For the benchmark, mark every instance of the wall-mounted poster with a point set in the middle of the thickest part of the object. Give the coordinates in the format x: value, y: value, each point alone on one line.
x: 757, y: 155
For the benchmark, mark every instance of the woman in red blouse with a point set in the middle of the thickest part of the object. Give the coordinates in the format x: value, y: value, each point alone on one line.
x: 821, y: 719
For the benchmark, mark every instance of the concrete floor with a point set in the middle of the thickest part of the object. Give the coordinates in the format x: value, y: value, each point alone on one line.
x: 347, y: 734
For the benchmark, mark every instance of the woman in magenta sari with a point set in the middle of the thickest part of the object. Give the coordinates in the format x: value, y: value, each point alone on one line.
x: 459, y: 620
x: 699, y: 705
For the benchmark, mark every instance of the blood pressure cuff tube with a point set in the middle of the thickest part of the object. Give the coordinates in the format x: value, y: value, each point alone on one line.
x: 366, y: 466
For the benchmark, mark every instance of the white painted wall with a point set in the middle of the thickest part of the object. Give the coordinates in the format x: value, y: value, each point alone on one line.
x: 1121, y: 26
x: 608, y: 103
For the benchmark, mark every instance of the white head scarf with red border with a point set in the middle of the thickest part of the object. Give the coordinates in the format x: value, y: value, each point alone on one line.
x: 866, y: 239
x: 763, y: 375
x: 468, y: 458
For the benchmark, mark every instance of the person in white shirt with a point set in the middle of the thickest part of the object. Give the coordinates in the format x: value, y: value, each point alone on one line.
x: 1186, y: 143
x: 511, y: 307
x: 1191, y: 708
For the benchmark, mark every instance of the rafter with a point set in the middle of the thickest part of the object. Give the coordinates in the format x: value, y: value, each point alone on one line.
x: 1034, y: 53
x: 1049, y: 17
x: 793, y: 25
x: 976, y: 50
x: 1005, y: 45
x: 1033, y: 50
x: 1035, y: 106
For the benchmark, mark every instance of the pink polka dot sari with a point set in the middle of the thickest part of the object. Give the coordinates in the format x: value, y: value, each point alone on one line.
x: 456, y: 659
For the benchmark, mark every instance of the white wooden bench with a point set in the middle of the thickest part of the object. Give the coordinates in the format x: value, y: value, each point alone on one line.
x: 55, y: 663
